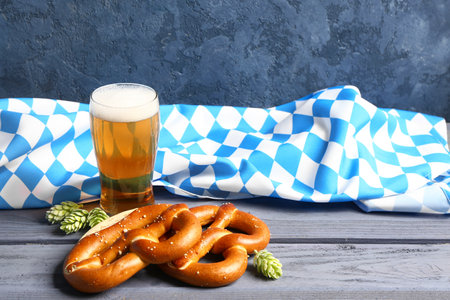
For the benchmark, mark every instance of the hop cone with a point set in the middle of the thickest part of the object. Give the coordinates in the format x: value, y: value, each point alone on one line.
x: 96, y: 216
x: 267, y: 265
x: 75, y: 221
x: 58, y: 212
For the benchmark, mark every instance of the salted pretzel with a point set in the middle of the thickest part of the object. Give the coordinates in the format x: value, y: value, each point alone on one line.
x: 106, y: 258
x: 234, y: 247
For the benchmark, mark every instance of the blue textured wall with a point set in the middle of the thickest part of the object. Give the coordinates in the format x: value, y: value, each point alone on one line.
x: 247, y: 53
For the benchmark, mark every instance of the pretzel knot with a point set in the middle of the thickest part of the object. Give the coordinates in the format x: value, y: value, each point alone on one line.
x: 110, y: 256
x: 234, y: 247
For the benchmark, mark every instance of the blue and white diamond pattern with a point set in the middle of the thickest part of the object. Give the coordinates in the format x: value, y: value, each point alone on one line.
x: 46, y: 153
x: 331, y: 145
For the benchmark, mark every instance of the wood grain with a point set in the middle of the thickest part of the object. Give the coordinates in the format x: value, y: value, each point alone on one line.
x: 319, y: 269
x: 289, y: 222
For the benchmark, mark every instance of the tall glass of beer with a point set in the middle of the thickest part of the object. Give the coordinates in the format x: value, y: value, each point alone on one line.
x: 125, y: 131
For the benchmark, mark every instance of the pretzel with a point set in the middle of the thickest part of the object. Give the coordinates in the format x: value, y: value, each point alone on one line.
x: 234, y: 247
x: 106, y: 258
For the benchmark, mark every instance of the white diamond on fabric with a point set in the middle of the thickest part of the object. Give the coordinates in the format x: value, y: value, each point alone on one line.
x: 234, y: 138
x: 255, y: 117
x: 70, y: 158
x: 232, y: 184
x: 31, y: 129
x: 5, y: 140
x: 204, y: 179
x: 17, y: 105
x: 307, y: 171
x: 176, y: 124
x: 329, y: 146
x: 228, y: 117
x: 37, y: 155
x: 43, y: 107
x: 15, y: 188
x: 58, y: 125
x: 202, y: 120
x: 259, y: 184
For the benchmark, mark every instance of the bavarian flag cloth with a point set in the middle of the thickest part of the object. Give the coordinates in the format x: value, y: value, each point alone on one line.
x: 329, y: 146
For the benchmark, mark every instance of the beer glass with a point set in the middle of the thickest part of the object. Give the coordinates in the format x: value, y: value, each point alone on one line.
x: 125, y: 130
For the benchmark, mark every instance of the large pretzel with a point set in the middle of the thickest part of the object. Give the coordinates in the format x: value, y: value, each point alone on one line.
x: 234, y: 247
x: 106, y: 258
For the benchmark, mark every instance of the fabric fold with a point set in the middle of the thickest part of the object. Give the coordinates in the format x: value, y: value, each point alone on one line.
x: 329, y: 146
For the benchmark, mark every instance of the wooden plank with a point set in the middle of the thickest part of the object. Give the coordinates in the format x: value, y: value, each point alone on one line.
x: 323, y: 270
x: 218, y: 294
x: 289, y: 221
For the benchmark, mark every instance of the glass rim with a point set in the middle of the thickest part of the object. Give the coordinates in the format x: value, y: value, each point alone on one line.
x: 130, y: 84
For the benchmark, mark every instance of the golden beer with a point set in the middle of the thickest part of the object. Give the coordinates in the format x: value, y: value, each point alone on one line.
x: 125, y: 130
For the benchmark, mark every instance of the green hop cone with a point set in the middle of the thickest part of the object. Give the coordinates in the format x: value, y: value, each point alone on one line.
x: 96, y: 216
x: 75, y: 221
x: 58, y: 212
x: 267, y: 265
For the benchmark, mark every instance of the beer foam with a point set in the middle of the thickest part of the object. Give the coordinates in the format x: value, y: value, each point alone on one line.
x: 123, y: 102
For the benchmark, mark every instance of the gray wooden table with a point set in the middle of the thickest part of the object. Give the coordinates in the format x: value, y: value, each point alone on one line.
x: 328, y: 251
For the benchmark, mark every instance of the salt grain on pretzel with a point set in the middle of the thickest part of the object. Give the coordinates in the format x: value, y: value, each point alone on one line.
x: 106, y: 258
x: 234, y: 247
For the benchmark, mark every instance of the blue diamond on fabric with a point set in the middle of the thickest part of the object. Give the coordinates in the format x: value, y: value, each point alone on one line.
x: 59, y: 144
x: 18, y: 147
x: 5, y: 174
x: 262, y: 162
x: 321, y: 108
x: 315, y: 147
x: 398, y: 184
x: 250, y: 142
x: 347, y: 94
x: 302, y: 123
x: 9, y: 121
x: 66, y: 193
x: 91, y: 186
x: 57, y: 174
x: 29, y: 173
x: 326, y: 180
x: 225, y: 151
x: 83, y: 143
x: 288, y: 156
x: 190, y: 134
x: 87, y: 169
x: 338, y: 132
